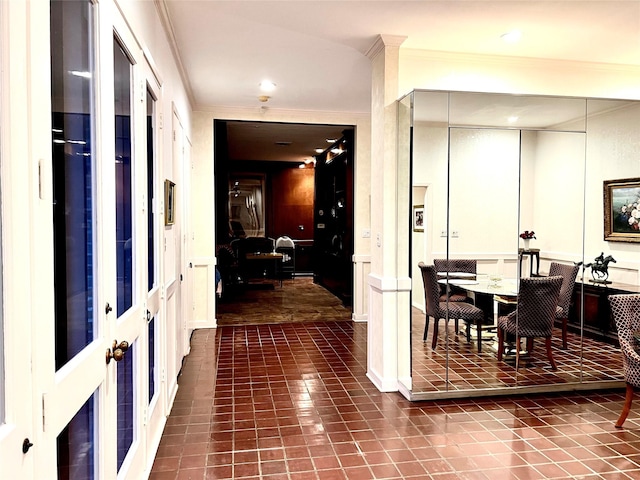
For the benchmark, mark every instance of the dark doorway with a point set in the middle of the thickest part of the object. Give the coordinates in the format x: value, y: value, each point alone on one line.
x: 280, y: 180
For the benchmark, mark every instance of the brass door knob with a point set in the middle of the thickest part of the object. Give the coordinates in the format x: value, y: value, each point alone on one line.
x: 117, y: 351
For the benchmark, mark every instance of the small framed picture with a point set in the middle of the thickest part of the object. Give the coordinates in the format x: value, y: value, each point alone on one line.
x: 169, y: 202
x: 418, y: 218
x: 622, y: 210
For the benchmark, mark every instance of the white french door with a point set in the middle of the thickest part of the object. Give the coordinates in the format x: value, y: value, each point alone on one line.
x: 94, y: 355
x: 154, y: 392
x: 16, y: 418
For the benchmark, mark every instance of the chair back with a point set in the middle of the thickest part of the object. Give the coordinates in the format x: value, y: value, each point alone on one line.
x: 568, y: 274
x: 431, y: 289
x: 455, y: 265
x: 537, y: 301
x: 625, y: 309
x: 285, y: 241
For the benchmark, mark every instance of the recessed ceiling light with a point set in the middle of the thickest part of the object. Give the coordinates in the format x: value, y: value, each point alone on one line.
x: 332, y: 140
x: 512, y: 36
x: 319, y: 150
x: 267, y: 86
x: 512, y: 119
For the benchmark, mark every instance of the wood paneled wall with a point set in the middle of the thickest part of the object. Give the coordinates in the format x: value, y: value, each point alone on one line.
x: 291, y: 203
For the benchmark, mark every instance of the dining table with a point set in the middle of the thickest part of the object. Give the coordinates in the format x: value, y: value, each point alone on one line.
x: 489, y: 292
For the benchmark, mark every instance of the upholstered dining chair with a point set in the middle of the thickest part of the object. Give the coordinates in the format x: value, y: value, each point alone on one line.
x: 534, y: 315
x: 454, y: 265
x: 437, y: 309
x: 568, y: 274
x: 287, y: 247
x: 625, y: 309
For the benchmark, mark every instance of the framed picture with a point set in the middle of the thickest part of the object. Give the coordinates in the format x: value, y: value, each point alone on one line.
x: 622, y: 210
x: 169, y: 202
x: 418, y: 218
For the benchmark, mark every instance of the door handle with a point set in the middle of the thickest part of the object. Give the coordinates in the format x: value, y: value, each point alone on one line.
x: 117, y: 351
x: 26, y: 445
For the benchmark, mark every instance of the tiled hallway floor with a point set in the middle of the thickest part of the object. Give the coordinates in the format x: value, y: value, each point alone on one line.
x: 284, y: 400
x: 292, y: 401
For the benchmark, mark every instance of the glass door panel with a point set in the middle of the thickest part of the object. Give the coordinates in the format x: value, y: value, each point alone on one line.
x: 153, y: 290
x: 76, y: 444
x: 73, y: 126
x: 124, y: 186
x: 126, y: 399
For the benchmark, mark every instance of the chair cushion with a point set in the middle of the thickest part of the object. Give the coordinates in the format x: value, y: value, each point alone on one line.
x: 460, y: 310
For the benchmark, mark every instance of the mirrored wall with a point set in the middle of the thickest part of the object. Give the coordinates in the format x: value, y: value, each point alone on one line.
x: 513, y: 185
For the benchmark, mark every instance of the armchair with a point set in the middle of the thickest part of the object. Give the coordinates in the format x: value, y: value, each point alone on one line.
x: 626, y: 314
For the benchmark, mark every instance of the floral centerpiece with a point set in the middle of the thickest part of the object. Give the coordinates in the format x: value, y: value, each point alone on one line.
x: 526, y: 237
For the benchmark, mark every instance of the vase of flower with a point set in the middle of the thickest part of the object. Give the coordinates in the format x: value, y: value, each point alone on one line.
x: 526, y: 237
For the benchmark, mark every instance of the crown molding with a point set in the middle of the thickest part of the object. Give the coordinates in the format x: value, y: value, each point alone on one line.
x: 165, y: 21
x: 382, y: 42
x: 546, y: 63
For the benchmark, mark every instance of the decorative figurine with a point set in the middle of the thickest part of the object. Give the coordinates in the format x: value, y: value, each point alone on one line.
x: 600, y: 268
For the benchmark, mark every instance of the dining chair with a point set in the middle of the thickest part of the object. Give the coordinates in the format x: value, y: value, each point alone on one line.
x: 568, y: 274
x: 286, y: 246
x: 625, y: 309
x: 534, y: 315
x: 454, y: 265
x: 437, y: 309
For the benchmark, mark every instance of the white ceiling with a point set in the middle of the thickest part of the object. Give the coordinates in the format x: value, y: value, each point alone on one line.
x: 314, y: 50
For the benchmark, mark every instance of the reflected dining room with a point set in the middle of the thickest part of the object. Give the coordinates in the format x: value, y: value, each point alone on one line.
x: 451, y: 356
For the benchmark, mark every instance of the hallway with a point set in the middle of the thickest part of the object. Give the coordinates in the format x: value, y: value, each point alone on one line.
x: 292, y: 401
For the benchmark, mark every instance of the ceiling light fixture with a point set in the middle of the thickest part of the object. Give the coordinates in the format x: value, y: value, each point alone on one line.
x: 511, y: 37
x: 332, y: 140
x: 267, y: 86
x: 512, y: 119
x: 264, y: 98
x: 319, y: 150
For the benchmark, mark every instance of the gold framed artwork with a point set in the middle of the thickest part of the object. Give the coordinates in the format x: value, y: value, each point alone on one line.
x: 169, y: 202
x: 418, y: 218
x: 622, y: 210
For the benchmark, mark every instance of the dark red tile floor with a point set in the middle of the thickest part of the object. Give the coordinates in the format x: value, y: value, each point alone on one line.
x: 292, y: 401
